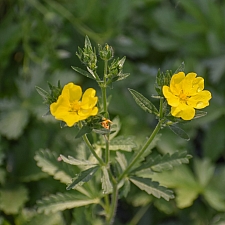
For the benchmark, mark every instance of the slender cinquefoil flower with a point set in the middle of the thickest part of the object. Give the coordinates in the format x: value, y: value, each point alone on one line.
x: 185, y: 94
x: 72, y: 107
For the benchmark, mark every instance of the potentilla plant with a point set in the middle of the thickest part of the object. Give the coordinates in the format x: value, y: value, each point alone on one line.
x: 107, y: 168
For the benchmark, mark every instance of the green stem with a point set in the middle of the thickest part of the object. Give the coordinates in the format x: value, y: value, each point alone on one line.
x: 139, y: 154
x: 105, y: 108
x: 103, y: 88
x: 161, y: 108
x: 86, y: 140
x: 113, y: 207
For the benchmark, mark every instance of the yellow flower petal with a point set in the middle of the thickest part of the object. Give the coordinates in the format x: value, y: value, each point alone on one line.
x: 201, y: 100
x: 70, y: 109
x: 176, y: 83
x: 89, y: 100
x: 171, y: 98
x: 185, y: 94
x: 72, y: 92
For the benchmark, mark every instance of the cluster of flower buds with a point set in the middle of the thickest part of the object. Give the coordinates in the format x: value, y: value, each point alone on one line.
x: 52, y: 96
x: 88, y: 55
x: 161, y: 80
x: 106, y: 52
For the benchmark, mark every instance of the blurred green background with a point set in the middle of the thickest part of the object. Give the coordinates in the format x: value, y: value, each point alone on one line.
x: 38, y: 43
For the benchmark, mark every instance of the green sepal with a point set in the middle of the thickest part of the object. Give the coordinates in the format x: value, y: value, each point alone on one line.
x: 143, y: 102
x: 199, y: 114
x: 44, y: 94
x: 83, y: 72
x: 83, y: 177
x: 152, y: 187
x: 180, y: 68
x: 84, y: 130
x: 180, y: 132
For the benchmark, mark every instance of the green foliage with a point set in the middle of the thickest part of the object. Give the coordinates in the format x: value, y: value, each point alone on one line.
x: 62, y: 201
x: 152, y: 187
x: 50, y: 164
x: 13, y: 199
x: 42, y: 45
x: 165, y: 162
x: 143, y: 102
x: 83, y: 177
x: 106, y: 183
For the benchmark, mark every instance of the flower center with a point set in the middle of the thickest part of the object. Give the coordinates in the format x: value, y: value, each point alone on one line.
x: 75, y: 106
x: 183, y: 97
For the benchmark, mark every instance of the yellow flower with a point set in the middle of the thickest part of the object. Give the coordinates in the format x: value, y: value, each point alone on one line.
x: 185, y: 94
x: 71, y: 108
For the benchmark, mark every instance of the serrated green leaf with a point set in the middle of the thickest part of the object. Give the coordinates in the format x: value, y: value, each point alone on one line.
x: 44, y: 94
x: 53, y: 219
x: 152, y: 187
x: 125, y: 188
x: 72, y: 161
x: 165, y: 162
x: 83, y: 177
x: 83, y: 130
x: 12, y: 199
x: 121, y: 159
x: 49, y: 163
x: 87, y: 42
x: 178, y: 131
x: 122, y: 143
x: 183, y: 181
x: 83, y: 72
x: 106, y: 183
x: 13, y: 123
x: 62, y: 201
x: 143, y: 102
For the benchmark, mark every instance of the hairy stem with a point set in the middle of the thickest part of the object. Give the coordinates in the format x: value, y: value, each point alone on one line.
x: 86, y: 140
x: 139, y: 154
x: 111, y: 216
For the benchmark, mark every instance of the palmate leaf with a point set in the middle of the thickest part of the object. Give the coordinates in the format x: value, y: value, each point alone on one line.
x: 62, y: 201
x: 165, y: 162
x: 83, y: 177
x: 49, y: 163
x: 143, y: 102
x: 152, y: 187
